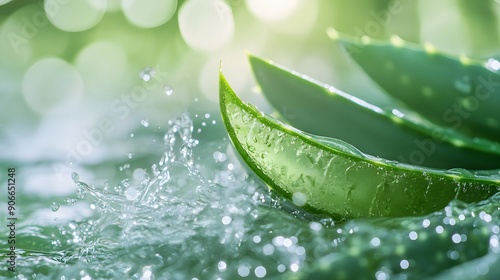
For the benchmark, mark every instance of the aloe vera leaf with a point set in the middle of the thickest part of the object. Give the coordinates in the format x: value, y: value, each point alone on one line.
x: 321, y: 109
x: 456, y: 92
x: 336, y: 179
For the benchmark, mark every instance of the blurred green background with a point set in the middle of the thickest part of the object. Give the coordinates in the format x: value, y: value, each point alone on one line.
x: 78, y: 77
x: 88, y: 86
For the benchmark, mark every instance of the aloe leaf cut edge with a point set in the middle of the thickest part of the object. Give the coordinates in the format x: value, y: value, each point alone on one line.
x: 331, y: 179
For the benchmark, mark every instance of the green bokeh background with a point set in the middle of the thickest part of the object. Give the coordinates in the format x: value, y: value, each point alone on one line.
x: 298, y: 41
x: 42, y: 139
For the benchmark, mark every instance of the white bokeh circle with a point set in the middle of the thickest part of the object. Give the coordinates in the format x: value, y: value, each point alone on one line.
x: 51, y: 82
x: 206, y: 25
x: 75, y: 15
x: 148, y: 13
x: 272, y: 10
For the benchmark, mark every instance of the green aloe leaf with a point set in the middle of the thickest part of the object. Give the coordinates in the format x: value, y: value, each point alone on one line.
x: 321, y: 109
x: 454, y: 91
x: 330, y: 176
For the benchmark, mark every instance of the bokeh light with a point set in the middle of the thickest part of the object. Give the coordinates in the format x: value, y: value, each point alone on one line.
x: 273, y: 10
x: 50, y: 82
x: 206, y: 25
x: 148, y: 13
x: 103, y: 66
x: 301, y: 19
x: 75, y: 15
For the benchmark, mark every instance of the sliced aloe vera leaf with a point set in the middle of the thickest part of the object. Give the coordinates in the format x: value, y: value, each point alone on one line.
x: 335, y: 178
x: 454, y: 91
x: 321, y: 109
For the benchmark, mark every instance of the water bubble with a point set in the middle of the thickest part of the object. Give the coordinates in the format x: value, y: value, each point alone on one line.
x: 139, y: 174
x: 222, y: 265
x: 426, y: 223
x: 130, y: 155
x: 81, y: 192
x: 243, y: 271
x: 454, y: 255
x: 268, y: 249
x: 226, y: 220
x: 381, y: 275
x: 168, y: 90
x: 147, y: 73
x: 278, y: 240
x: 299, y: 199
x: 131, y: 194
x: 294, y: 267
x: 281, y: 268
x: 260, y: 271
x: 287, y: 242
x: 300, y: 251
x: 413, y: 235
x: 219, y: 157
x: 375, y: 242
x: 439, y: 229
x: 494, y: 242
x: 124, y: 167
x: 55, y: 206
x: 404, y: 264
x: 145, y: 123
x: 315, y: 226
x: 70, y: 201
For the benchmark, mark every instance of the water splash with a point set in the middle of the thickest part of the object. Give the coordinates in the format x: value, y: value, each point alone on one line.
x: 173, y: 219
x: 197, y: 214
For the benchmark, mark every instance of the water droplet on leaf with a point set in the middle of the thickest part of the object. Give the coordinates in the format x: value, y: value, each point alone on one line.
x: 168, y: 90
x: 147, y: 73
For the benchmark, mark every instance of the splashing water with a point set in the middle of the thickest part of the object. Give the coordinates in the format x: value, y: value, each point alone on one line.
x: 203, y: 217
